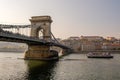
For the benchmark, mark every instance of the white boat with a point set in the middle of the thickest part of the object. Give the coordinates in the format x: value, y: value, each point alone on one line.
x: 99, y: 55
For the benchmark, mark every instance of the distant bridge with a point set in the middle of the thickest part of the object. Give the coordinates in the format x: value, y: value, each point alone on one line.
x: 38, y: 46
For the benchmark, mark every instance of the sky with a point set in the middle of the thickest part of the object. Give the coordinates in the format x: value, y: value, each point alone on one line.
x: 70, y: 17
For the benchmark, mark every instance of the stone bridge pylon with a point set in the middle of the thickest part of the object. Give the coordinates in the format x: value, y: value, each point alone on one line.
x: 39, y: 23
x: 36, y: 51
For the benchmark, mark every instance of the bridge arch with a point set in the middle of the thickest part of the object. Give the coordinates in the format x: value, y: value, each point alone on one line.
x: 41, y: 23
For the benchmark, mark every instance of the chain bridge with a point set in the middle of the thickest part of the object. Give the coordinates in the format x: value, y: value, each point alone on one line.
x: 41, y: 42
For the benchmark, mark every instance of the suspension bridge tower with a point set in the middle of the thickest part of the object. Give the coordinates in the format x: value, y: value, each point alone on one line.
x: 37, y: 51
x: 39, y: 23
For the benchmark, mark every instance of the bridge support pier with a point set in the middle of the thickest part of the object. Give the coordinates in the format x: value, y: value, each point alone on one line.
x: 40, y: 52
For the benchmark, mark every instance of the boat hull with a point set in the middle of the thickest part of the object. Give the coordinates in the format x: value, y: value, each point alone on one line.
x: 100, y: 56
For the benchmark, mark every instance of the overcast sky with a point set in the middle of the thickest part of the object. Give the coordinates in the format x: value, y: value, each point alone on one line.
x: 70, y: 17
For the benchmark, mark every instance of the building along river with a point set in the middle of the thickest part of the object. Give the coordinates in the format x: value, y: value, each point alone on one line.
x: 70, y: 67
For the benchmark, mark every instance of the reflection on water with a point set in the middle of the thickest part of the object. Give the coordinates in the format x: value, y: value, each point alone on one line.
x: 71, y: 67
x: 40, y: 70
x: 12, y: 67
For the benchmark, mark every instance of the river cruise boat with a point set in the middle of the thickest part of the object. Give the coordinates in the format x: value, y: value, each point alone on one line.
x: 99, y: 55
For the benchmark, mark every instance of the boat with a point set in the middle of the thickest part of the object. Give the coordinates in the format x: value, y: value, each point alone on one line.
x: 99, y: 55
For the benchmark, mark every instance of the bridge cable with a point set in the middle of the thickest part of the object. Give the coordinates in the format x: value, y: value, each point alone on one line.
x: 54, y: 38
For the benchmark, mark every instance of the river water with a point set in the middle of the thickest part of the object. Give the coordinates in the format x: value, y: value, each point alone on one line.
x: 71, y: 67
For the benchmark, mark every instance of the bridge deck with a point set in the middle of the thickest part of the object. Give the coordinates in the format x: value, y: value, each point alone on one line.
x: 15, y: 37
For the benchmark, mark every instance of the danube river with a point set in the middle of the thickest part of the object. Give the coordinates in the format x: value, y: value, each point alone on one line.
x: 71, y: 67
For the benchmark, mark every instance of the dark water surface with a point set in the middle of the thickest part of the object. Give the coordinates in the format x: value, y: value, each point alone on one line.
x: 71, y: 67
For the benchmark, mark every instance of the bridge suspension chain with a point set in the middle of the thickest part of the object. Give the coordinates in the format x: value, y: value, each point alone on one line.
x: 54, y: 38
x: 14, y: 26
x: 18, y: 29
